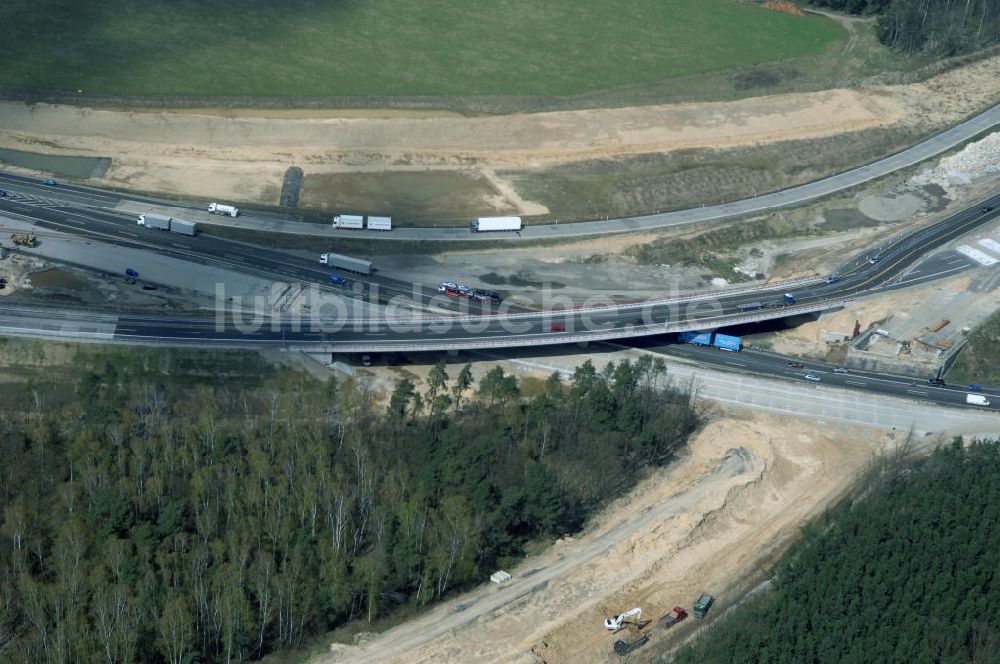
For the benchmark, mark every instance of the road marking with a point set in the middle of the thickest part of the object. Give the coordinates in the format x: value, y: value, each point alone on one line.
x: 991, y: 244
x: 856, y: 382
x: 976, y: 255
x: 736, y: 364
x: 127, y: 233
x: 125, y: 329
x: 920, y: 392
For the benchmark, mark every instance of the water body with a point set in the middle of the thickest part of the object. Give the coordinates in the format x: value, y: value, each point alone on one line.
x: 83, y: 168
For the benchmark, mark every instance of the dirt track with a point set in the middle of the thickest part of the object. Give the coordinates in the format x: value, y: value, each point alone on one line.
x: 740, y: 493
x: 242, y: 157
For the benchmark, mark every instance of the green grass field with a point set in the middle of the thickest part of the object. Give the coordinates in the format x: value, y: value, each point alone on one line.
x: 378, y: 48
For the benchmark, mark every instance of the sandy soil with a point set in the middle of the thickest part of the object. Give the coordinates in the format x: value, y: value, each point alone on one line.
x: 243, y: 156
x: 738, y: 495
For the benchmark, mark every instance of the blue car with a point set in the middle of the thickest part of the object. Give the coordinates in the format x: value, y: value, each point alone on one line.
x: 975, y: 388
x: 129, y: 272
x: 337, y: 279
x: 50, y: 182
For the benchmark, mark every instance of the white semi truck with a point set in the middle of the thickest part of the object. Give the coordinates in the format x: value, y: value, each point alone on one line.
x: 350, y: 221
x: 977, y: 400
x: 489, y: 224
x: 222, y: 208
x: 164, y: 223
x: 379, y: 223
x: 358, y: 265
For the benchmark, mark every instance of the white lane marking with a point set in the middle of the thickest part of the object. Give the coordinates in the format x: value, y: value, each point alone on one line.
x: 976, y: 255
x: 856, y: 382
x: 991, y: 244
x: 920, y: 392
x: 736, y: 364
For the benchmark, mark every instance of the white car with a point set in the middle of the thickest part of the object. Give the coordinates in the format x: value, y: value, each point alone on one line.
x: 447, y: 285
x: 464, y: 289
x: 841, y: 370
x: 813, y: 377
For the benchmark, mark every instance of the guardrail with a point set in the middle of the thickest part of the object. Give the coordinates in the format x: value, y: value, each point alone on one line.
x: 549, y: 339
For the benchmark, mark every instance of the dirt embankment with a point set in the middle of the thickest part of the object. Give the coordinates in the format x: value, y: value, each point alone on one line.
x: 706, y: 523
x: 242, y: 156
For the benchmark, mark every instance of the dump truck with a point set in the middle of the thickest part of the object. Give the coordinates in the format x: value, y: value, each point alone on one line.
x: 489, y: 224
x: 165, y: 223
x: 350, y: 221
x: 623, y: 647
x: 221, y: 208
x: 380, y: 223
x: 24, y: 240
x: 702, y: 605
x: 977, y: 400
x: 676, y: 615
x: 358, y: 265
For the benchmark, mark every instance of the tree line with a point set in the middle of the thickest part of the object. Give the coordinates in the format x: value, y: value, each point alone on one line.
x: 932, y: 27
x: 209, y: 524
x: 908, y: 573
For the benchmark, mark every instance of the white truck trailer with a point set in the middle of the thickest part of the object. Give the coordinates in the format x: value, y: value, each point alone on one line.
x: 165, y: 223
x: 222, y: 208
x: 379, y: 223
x: 489, y: 224
x: 977, y: 400
x: 358, y: 265
x: 351, y: 221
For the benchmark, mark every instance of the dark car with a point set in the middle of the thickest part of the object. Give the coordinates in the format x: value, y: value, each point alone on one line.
x: 3, y: 194
x: 796, y: 365
x: 50, y: 182
x: 988, y: 208
x: 337, y: 279
x: 129, y: 272
x: 936, y: 382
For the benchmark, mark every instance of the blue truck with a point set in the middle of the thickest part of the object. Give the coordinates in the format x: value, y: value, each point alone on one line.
x: 788, y: 298
x: 720, y: 341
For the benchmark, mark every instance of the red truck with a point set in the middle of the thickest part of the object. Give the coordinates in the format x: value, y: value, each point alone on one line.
x: 676, y: 615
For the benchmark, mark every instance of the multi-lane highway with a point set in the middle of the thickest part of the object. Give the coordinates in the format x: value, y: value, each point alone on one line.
x: 926, y: 149
x: 760, y: 363
x: 81, y: 213
x: 504, y: 328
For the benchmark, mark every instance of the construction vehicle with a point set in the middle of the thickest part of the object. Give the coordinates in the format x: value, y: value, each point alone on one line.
x: 615, y: 623
x: 623, y: 647
x: 24, y: 240
x: 676, y: 615
x: 702, y: 605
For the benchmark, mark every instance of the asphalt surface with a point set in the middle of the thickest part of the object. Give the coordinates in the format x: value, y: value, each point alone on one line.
x: 76, y: 214
x: 787, y: 197
x: 505, y: 328
x: 760, y: 363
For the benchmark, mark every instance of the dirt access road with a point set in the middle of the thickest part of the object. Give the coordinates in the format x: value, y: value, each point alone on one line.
x: 737, y: 496
x: 242, y: 156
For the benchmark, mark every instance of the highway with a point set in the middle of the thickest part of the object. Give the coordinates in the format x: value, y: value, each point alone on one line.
x: 85, y: 196
x: 762, y: 363
x: 506, y: 328
x: 76, y: 215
